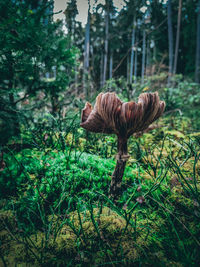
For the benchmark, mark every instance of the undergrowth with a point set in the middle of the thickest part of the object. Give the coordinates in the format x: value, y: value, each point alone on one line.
x: 55, y: 208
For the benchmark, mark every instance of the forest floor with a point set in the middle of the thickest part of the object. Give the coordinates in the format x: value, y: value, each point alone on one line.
x: 55, y: 208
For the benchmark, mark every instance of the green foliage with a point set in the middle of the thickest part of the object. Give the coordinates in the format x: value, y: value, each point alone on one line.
x: 32, y: 47
x: 184, y: 96
x: 60, y: 206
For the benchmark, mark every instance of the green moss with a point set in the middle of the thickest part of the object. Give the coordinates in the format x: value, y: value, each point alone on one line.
x: 176, y: 134
x: 7, y: 219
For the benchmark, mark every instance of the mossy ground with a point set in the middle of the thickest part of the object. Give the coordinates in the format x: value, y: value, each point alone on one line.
x: 60, y: 214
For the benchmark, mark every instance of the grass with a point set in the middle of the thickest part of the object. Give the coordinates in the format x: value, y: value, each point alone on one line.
x: 55, y: 208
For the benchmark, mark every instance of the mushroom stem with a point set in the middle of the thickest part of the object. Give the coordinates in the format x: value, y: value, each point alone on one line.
x: 122, y: 157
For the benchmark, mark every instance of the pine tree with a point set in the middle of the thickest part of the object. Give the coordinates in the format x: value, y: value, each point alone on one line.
x: 30, y: 47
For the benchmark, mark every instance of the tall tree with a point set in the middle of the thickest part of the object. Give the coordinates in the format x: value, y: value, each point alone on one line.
x: 143, y: 55
x: 197, y: 65
x: 70, y: 18
x: 111, y: 65
x: 132, y: 50
x: 177, y: 36
x: 106, y: 40
x: 170, y: 39
x: 86, y: 54
x: 127, y: 70
x: 135, y: 65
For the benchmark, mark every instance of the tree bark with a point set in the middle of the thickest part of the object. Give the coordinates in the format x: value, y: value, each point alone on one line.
x: 101, y: 71
x: 132, y: 52
x: 106, y: 43
x: 197, y: 65
x: 110, y: 69
x: 127, y: 69
x: 135, y: 66
x: 116, y: 181
x: 12, y: 104
x: 170, y: 40
x: 86, y: 55
x: 177, y: 36
x: 143, y: 56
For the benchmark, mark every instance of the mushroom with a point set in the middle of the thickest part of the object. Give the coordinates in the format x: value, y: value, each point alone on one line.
x: 112, y: 116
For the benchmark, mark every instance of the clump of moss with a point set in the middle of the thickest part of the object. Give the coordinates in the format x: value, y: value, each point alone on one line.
x: 90, y: 236
x: 7, y: 219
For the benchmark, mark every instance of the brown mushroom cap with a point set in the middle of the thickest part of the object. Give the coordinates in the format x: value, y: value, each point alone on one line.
x: 111, y: 115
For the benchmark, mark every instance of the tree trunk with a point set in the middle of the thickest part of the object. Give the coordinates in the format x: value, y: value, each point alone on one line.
x: 101, y: 71
x: 106, y: 43
x: 127, y: 69
x: 76, y: 78
x: 197, y: 65
x: 122, y: 157
x: 86, y: 55
x: 132, y: 52
x: 135, y: 66
x: 92, y: 68
x: 143, y: 56
x: 147, y: 72
x: 177, y: 36
x: 170, y: 40
x: 110, y: 69
x: 54, y: 105
x: 15, y: 127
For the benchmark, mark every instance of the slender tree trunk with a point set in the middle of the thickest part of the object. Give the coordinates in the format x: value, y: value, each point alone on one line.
x: 54, y: 105
x: 143, y: 56
x: 177, y: 36
x: 148, y: 59
x: 154, y: 59
x: 86, y: 55
x: 132, y: 52
x: 101, y: 71
x: 197, y: 65
x: 127, y: 69
x: 13, y: 108
x: 73, y: 30
x: 170, y: 40
x: 154, y: 52
x: 135, y: 66
x: 76, y: 78
x: 106, y: 43
x: 111, y: 66
x: 92, y: 67
x: 110, y: 69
